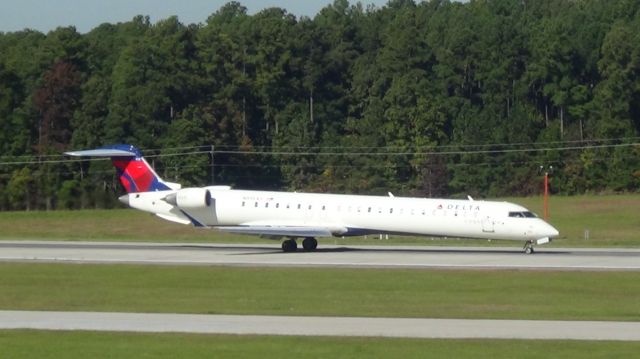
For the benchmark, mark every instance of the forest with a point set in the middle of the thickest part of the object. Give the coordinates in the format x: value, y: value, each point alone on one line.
x: 431, y: 98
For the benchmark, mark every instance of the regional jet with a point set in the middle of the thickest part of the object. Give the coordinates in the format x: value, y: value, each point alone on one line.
x: 293, y: 215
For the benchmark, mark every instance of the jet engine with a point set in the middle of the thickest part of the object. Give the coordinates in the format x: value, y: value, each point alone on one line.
x: 190, y: 198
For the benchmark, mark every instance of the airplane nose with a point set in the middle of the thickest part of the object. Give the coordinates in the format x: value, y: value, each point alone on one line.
x: 124, y: 199
x: 552, y: 232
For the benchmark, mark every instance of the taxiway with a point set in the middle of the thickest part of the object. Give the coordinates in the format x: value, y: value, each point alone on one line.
x: 321, y: 326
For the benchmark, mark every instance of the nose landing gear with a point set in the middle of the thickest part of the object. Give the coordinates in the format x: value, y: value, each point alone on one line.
x: 528, y: 247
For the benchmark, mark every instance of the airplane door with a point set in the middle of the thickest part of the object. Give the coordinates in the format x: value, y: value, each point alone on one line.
x: 487, y: 225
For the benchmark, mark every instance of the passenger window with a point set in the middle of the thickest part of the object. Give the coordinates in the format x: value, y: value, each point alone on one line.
x: 299, y: 206
x: 242, y: 203
x: 309, y: 207
x: 390, y: 210
x: 323, y: 208
x: 277, y: 205
x: 266, y: 205
x: 256, y: 205
x: 369, y: 210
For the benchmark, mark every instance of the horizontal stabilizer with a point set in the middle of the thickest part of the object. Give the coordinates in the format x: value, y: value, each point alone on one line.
x: 108, y: 151
x: 284, y: 231
x: 102, y: 152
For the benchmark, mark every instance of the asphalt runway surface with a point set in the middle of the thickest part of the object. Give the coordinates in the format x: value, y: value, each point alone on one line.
x: 321, y: 326
x: 325, y: 256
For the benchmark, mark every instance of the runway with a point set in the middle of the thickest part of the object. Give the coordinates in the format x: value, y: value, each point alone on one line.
x: 326, y: 256
x: 321, y: 326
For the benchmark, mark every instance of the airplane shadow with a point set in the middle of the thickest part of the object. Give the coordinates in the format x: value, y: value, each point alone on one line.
x: 431, y: 250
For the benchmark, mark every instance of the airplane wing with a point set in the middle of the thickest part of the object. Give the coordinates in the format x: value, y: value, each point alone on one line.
x: 279, y: 231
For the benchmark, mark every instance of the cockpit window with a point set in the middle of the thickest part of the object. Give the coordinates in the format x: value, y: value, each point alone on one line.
x: 525, y: 214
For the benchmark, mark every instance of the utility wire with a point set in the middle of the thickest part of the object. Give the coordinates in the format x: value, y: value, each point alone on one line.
x: 547, y: 149
x: 172, y: 168
x: 343, y: 154
x: 262, y: 149
x: 621, y: 139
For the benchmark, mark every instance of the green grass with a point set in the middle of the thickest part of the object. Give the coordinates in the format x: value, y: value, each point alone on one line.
x: 114, y: 225
x: 45, y: 344
x: 611, y: 220
x: 324, y: 292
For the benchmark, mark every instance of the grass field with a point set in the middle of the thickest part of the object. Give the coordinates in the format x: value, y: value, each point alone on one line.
x: 322, y: 291
x: 611, y: 220
x: 22, y: 344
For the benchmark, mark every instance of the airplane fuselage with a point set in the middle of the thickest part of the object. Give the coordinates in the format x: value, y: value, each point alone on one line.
x: 350, y: 215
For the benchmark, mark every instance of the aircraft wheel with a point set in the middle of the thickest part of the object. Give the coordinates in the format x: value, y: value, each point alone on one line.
x: 309, y: 244
x: 289, y: 245
x: 528, y: 250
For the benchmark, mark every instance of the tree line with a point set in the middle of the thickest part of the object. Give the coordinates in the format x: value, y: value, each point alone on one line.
x: 435, y: 98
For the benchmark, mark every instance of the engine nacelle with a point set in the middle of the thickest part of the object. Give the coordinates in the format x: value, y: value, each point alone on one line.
x: 190, y: 198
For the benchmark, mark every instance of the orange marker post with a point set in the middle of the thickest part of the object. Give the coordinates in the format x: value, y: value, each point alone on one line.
x: 546, y: 196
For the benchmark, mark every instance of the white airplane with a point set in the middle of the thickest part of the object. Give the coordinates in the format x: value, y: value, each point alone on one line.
x: 294, y: 215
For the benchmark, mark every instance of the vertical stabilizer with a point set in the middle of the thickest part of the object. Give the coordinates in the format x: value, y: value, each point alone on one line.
x: 136, y: 175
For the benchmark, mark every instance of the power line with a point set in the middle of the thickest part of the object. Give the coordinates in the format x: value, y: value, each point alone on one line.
x: 50, y: 161
x: 286, y: 149
x: 257, y: 148
x: 547, y: 149
x: 342, y: 154
x: 182, y: 166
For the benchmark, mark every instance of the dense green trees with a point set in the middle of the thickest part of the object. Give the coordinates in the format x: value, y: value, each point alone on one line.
x: 432, y: 98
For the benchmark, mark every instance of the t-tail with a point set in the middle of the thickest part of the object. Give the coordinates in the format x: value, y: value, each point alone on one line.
x: 135, y: 173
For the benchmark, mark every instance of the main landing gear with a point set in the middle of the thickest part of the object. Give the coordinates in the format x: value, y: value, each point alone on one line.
x: 309, y: 244
x: 528, y: 247
x: 290, y: 245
